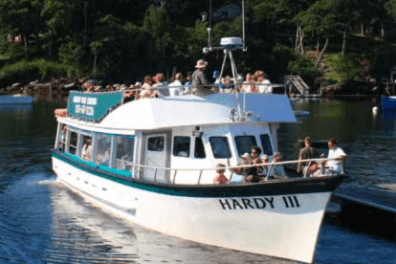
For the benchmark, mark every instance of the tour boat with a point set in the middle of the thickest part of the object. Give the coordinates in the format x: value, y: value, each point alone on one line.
x: 153, y: 161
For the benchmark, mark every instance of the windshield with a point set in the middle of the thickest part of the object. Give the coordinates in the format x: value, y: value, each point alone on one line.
x: 220, y: 147
x: 244, y: 144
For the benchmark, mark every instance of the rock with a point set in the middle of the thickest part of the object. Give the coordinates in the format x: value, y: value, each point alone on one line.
x: 15, y: 85
x: 70, y: 85
x: 33, y: 83
x: 82, y: 80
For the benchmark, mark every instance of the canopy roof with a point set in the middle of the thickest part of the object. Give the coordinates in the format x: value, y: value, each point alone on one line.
x: 158, y: 113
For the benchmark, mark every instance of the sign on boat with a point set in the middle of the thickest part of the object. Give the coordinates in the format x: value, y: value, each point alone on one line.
x: 154, y: 161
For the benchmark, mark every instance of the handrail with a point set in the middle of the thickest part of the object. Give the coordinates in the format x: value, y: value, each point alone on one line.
x: 170, y: 86
x: 271, y: 166
x: 237, y: 166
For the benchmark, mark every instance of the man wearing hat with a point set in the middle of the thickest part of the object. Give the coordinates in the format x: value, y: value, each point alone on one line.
x: 199, y: 81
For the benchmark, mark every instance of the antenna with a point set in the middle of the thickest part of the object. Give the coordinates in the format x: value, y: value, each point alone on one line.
x: 243, y: 25
x: 210, y: 22
x: 228, y: 45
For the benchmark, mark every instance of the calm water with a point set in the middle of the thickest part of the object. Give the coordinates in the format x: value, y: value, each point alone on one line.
x: 41, y: 221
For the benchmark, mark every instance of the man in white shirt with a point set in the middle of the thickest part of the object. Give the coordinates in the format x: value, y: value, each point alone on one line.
x: 264, y: 85
x: 176, y: 88
x: 337, y: 153
x: 161, y: 86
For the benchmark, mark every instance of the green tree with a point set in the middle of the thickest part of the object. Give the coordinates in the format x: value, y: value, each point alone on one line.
x: 320, y: 19
x: 198, y: 39
x: 21, y: 17
x: 157, y: 26
x: 61, y: 18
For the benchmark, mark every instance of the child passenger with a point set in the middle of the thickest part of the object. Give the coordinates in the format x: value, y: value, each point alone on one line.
x: 220, y: 177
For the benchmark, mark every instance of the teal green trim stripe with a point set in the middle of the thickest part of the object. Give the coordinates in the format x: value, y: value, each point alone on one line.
x: 94, y: 169
x: 123, y: 173
x: 119, y: 172
x: 293, y: 186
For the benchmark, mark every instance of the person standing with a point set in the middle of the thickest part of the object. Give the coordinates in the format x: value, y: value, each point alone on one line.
x: 335, y: 152
x: 307, y: 152
x: 199, y: 81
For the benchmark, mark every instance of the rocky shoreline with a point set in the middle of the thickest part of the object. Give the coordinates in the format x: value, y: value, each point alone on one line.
x: 60, y: 87
x: 54, y: 87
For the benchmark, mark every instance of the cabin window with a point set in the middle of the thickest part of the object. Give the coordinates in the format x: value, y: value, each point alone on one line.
x: 181, y: 146
x: 124, y: 152
x: 266, y: 142
x: 220, y: 147
x: 156, y: 143
x: 199, y: 151
x: 73, y: 143
x: 102, y: 149
x: 244, y: 144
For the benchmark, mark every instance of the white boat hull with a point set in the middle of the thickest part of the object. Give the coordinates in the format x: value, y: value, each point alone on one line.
x: 284, y: 226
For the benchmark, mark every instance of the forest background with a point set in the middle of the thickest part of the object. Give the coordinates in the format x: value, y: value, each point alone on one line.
x: 337, y: 41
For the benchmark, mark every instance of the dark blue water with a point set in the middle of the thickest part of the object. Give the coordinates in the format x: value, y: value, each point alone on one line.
x: 41, y: 221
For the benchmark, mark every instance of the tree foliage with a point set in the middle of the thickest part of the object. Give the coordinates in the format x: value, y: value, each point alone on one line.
x: 126, y: 39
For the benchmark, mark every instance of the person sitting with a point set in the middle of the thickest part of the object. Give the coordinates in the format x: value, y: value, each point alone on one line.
x: 249, y: 172
x: 175, y: 88
x: 103, y: 159
x: 307, y: 152
x: 129, y: 94
x: 277, y: 171
x: 146, y: 88
x: 264, y: 85
x: 264, y: 160
x: 227, y: 86
x: 312, y: 171
x: 161, y: 86
x: 255, y: 156
x: 335, y: 152
x: 187, y: 84
x: 216, y: 77
x: 86, y: 152
x: 220, y: 177
x: 249, y: 86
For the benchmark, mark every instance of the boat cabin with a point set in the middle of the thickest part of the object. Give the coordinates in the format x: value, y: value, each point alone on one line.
x: 176, y: 140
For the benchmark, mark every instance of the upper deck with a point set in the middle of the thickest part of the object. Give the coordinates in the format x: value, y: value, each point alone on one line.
x: 168, y: 112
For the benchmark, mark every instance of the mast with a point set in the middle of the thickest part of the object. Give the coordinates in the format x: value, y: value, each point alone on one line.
x: 228, y: 45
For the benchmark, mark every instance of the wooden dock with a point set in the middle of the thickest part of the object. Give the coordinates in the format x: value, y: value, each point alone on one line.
x: 369, y: 209
x: 380, y: 197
